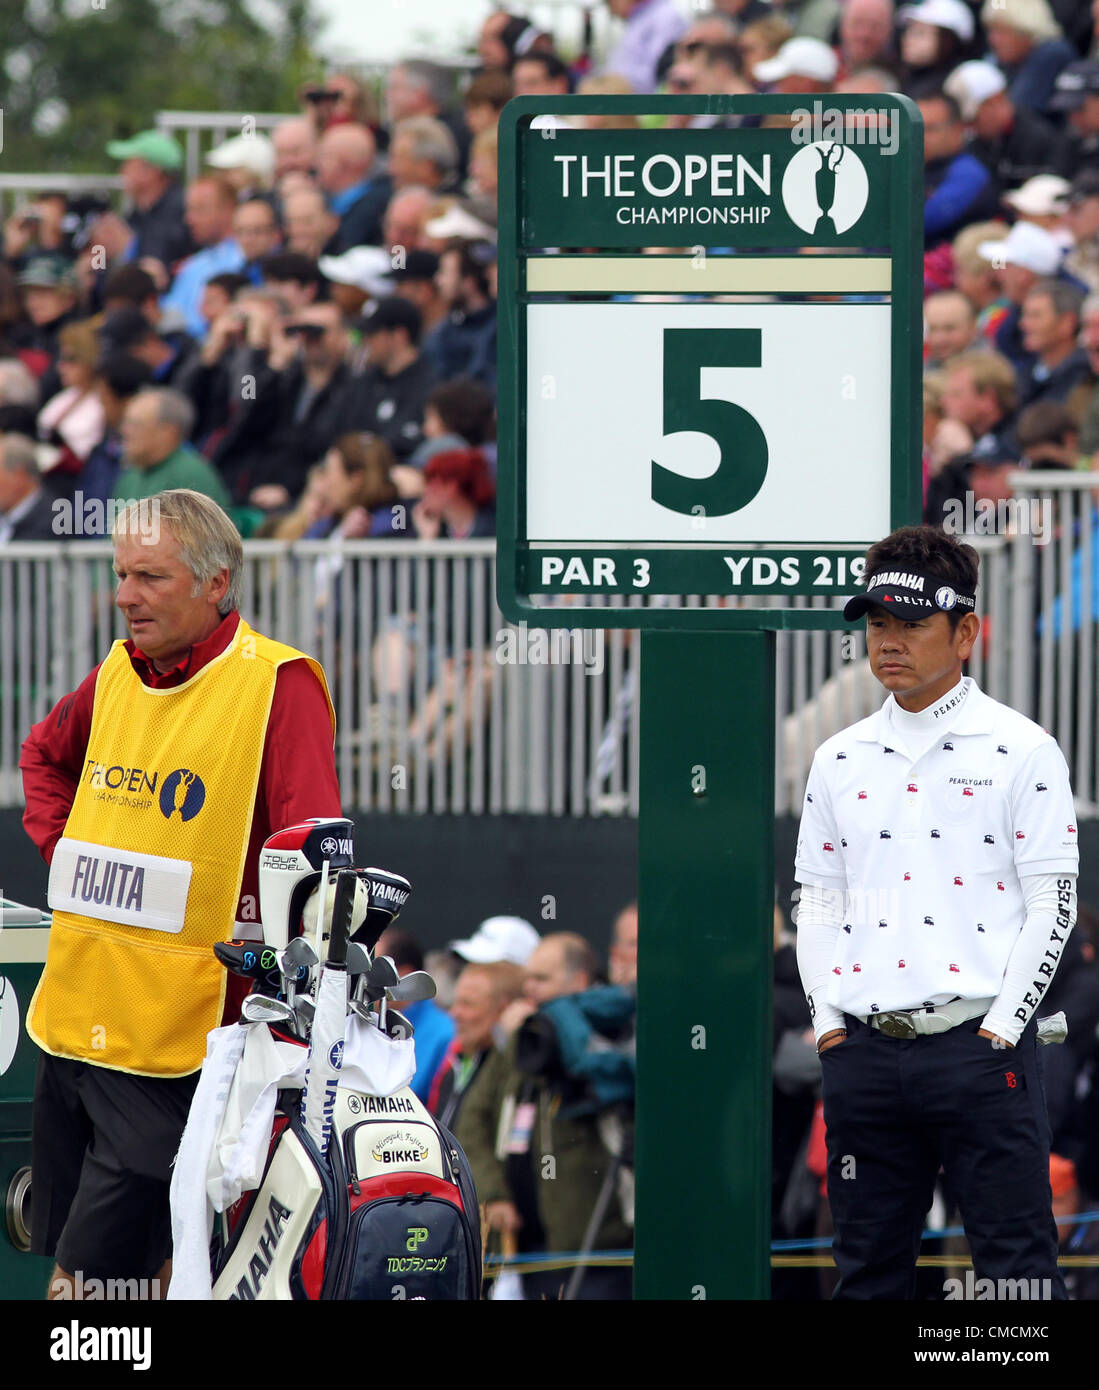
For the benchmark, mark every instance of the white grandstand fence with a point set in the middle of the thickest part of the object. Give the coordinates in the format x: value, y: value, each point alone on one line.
x: 445, y: 708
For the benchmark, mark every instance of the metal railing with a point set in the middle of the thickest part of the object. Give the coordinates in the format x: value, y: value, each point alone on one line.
x: 200, y: 131
x: 16, y: 190
x: 444, y: 707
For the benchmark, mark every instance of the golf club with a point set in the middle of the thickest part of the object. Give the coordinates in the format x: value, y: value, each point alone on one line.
x: 413, y: 987
x: 397, y: 1026
x: 387, y: 894
x: 304, y: 1011
x: 252, y: 960
x: 260, y: 1008
x: 358, y: 958
x: 296, y: 962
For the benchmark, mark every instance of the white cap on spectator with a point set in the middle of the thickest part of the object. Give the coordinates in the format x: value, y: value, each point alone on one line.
x: 1045, y: 195
x: 499, y: 938
x: 800, y: 58
x: 1033, y: 17
x: 457, y: 222
x: 255, y: 152
x: 944, y: 14
x: 971, y: 85
x: 365, y: 267
x: 1026, y: 245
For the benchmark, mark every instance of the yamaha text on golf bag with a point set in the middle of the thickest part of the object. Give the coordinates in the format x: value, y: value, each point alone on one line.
x: 363, y: 1196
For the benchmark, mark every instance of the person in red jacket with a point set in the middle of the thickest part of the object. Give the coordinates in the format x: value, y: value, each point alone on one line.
x: 150, y: 790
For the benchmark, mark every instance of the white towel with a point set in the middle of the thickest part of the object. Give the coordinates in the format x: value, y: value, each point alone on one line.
x: 240, y: 1151
x: 225, y: 1142
x: 373, y: 1063
x: 224, y: 1147
x: 192, y: 1221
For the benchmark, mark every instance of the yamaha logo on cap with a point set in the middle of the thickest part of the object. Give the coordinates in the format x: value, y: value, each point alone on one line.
x: 946, y: 598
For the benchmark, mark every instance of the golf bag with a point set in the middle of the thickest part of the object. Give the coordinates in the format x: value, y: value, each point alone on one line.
x: 362, y: 1196
x: 390, y: 1213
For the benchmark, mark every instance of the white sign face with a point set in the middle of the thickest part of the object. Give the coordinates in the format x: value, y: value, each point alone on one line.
x: 595, y: 405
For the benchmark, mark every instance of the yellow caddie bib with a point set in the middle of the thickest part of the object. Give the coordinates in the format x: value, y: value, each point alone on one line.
x: 148, y: 872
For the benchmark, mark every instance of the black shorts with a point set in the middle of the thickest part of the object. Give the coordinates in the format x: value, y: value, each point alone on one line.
x: 101, y: 1155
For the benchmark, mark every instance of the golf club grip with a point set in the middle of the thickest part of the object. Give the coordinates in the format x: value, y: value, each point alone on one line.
x: 343, y: 909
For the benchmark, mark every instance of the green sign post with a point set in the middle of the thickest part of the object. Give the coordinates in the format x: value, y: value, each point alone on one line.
x: 709, y: 385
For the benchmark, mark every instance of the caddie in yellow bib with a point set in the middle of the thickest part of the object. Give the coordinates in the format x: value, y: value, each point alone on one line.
x: 147, y: 874
x: 149, y: 790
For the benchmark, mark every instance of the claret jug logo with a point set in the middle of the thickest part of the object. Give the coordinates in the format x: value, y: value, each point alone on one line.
x: 825, y: 188
x: 183, y: 791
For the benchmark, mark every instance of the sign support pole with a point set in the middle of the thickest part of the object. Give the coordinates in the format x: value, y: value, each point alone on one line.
x: 705, y: 963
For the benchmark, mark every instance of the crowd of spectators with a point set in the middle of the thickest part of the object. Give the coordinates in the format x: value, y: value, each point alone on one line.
x: 527, y: 1055
x: 306, y: 331
x: 338, y: 277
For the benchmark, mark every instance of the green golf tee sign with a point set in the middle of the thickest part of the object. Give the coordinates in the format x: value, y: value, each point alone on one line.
x: 709, y: 370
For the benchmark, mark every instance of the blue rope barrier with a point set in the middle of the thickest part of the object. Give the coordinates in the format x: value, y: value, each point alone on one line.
x: 778, y: 1247
x: 784, y: 1247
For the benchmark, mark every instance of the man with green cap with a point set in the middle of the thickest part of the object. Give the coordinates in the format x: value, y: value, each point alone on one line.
x: 151, y: 162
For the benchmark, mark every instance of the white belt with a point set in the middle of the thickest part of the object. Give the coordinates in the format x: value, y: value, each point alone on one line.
x: 936, y: 1018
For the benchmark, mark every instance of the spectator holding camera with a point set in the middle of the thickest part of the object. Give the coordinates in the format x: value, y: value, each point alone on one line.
x: 35, y: 230
x: 233, y: 357
x: 527, y: 1101
x: 301, y: 378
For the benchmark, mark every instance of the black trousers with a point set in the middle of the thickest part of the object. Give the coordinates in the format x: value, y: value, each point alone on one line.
x: 101, y: 1154
x: 898, y: 1110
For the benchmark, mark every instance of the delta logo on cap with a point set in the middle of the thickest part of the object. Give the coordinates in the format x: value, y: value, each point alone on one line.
x: 904, y: 593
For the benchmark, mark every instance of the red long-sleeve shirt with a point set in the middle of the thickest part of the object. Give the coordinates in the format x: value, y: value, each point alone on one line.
x: 297, y: 774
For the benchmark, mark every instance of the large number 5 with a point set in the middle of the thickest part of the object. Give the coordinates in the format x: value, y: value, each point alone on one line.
x: 742, y: 465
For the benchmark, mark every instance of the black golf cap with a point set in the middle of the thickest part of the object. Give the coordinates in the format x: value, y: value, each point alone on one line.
x: 419, y: 265
x: 908, y: 594
x: 1074, y: 84
x: 392, y: 312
